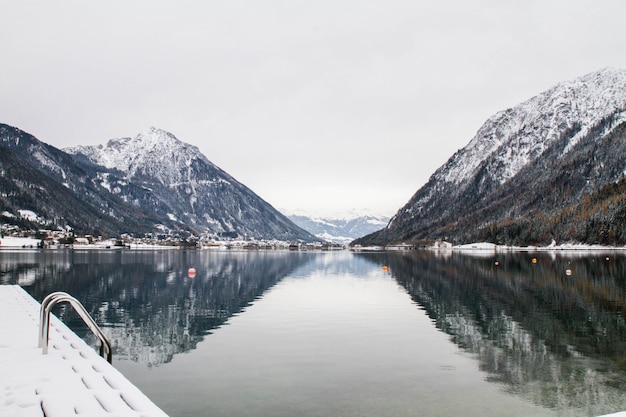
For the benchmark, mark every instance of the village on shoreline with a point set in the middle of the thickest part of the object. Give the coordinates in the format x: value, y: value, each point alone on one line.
x: 45, y: 239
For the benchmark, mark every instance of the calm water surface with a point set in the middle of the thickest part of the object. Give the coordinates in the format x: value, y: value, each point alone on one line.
x: 271, y: 333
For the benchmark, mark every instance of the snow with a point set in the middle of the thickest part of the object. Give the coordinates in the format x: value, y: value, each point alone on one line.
x: 335, y: 239
x: 28, y: 215
x: 486, y: 247
x: 377, y: 222
x: 104, y: 181
x: 518, y: 135
x: 478, y: 245
x: 46, y: 161
x: 18, y: 242
x: 153, y: 152
x: 619, y: 119
x: 71, y: 379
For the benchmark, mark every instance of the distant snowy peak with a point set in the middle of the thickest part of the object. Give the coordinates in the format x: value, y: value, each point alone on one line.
x: 341, y: 229
x: 520, y: 134
x: 341, y: 215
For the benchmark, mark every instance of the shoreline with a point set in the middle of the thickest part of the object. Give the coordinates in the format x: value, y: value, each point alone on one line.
x: 486, y: 248
x: 566, y: 247
x: 25, y: 243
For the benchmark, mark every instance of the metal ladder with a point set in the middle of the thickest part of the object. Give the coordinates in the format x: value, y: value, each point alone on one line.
x: 44, y: 322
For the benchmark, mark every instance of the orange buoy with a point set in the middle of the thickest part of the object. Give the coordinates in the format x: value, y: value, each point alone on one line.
x: 385, y: 268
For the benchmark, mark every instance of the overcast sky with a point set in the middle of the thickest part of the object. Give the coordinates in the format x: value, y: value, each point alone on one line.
x: 322, y: 106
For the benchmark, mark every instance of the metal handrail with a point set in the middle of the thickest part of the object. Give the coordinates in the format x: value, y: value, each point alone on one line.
x: 44, y: 322
x: 42, y: 313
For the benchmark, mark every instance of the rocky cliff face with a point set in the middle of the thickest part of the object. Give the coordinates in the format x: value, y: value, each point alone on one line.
x: 521, y: 179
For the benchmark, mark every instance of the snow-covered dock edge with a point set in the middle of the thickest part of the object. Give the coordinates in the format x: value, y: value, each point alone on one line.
x: 72, y: 379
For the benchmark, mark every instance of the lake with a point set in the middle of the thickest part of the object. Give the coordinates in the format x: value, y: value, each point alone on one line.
x: 288, y: 333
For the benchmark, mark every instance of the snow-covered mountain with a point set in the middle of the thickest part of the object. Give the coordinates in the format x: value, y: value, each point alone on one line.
x: 62, y: 191
x: 340, y: 229
x: 152, y: 182
x: 187, y: 187
x: 532, y: 161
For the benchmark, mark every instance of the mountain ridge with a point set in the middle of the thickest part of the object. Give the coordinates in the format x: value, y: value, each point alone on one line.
x: 339, y: 229
x: 74, y: 176
x: 175, y: 189
x: 511, y: 168
x: 189, y: 188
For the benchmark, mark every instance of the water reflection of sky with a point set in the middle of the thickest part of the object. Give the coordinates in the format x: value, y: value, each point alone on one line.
x: 327, y: 341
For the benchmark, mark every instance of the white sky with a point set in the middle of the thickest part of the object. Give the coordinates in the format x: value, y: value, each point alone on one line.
x: 321, y: 105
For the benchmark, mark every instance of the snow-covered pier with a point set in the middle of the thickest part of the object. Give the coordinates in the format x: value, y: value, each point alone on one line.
x: 70, y: 380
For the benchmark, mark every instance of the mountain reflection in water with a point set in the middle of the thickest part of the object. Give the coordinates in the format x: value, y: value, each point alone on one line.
x: 145, y: 301
x: 548, y: 325
x: 552, y: 338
